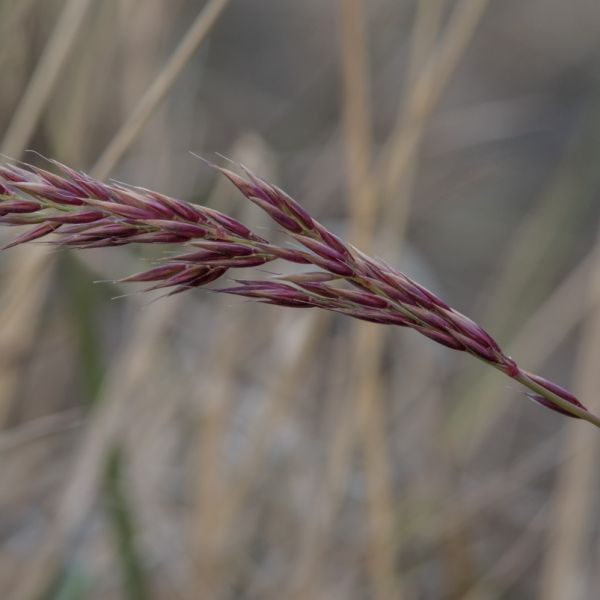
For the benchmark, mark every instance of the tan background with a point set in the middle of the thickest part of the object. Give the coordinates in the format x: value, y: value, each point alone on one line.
x: 206, y: 447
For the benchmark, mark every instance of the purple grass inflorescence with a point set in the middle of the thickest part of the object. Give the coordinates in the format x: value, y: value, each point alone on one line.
x: 84, y: 213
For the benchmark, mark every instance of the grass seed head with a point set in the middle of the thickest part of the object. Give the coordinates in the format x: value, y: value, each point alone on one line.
x: 85, y: 213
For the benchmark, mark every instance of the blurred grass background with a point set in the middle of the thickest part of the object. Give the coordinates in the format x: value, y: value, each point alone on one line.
x: 200, y: 447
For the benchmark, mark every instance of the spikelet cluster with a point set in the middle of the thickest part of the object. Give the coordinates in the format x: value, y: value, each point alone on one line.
x: 82, y: 212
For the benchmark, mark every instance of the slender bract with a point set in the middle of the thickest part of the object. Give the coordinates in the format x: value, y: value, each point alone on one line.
x: 81, y: 213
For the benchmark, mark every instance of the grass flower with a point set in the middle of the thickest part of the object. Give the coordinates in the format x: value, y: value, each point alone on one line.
x: 81, y: 213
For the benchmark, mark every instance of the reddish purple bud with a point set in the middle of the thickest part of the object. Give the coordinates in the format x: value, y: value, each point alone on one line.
x: 234, y: 262
x: 123, y: 210
x: 183, y: 209
x: 333, y: 266
x: 399, y: 320
x: 199, y: 280
x: 99, y: 237
x: 153, y: 203
x: 319, y: 248
x: 547, y: 404
x: 86, y: 244
x: 247, y: 188
x: 32, y: 234
x: 261, y: 189
x: 198, y: 256
x: 59, y: 183
x: 369, y: 317
x: 471, y: 329
x: 155, y: 274
x: 238, y: 262
x: 72, y: 174
x: 228, y: 248
x: 363, y: 298
x: 48, y: 192
x: 80, y: 227
x: 96, y: 189
x: 289, y: 254
x: 556, y: 389
x: 429, y: 318
x: 90, y: 187
x: 157, y: 208
x: 508, y: 366
x: 272, y: 292
x: 392, y: 292
x: 274, y: 196
x: 249, y: 291
x: 27, y: 219
x: 277, y: 215
x: 484, y: 352
x: 231, y: 224
x: 253, y: 284
x: 373, y: 270
x: 80, y: 183
x: 211, y: 274
x: 332, y: 240
x: 183, y: 229
x: 19, y: 206
x: 157, y: 237
x: 372, y: 316
x: 84, y: 216
x: 441, y: 338
x: 109, y: 230
x: 288, y: 302
x: 399, y: 281
x: 13, y: 173
x: 275, y: 202
x: 183, y: 277
x: 215, y: 259
x: 310, y: 277
x: 319, y: 289
x: 433, y: 299
x: 93, y: 241
x: 419, y: 298
x: 297, y: 211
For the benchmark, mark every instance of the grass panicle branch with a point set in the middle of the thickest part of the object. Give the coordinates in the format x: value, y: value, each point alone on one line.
x: 82, y: 212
